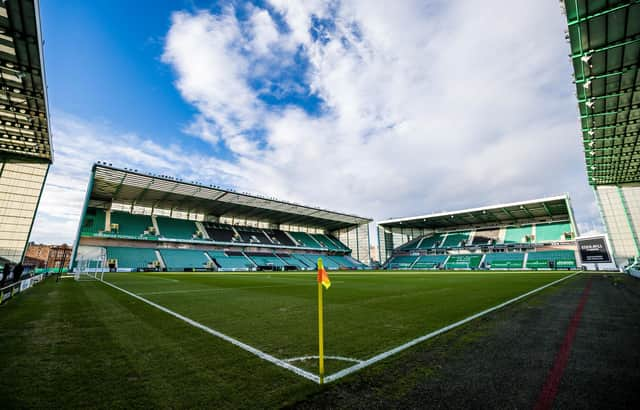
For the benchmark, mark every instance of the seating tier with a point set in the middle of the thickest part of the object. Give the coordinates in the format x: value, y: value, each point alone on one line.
x: 463, y: 261
x: 176, y: 228
x: 131, y: 258
x: 562, y: 259
x: 131, y: 224
x: 179, y: 259
x: 552, y: 232
x: 504, y: 260
x: 454, y: 239
x: 94, y: 221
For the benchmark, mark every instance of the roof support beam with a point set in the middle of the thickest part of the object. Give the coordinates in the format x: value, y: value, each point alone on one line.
x: 606, y: 48
x: 601, y: 13
x: 508, y: 213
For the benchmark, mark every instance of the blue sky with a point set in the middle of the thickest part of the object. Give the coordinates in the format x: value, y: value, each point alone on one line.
x: 350, y: 105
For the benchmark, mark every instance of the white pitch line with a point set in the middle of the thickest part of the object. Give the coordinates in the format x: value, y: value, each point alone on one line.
x: 344, y: 372
x: 341, y: 358
x: 235, y: 342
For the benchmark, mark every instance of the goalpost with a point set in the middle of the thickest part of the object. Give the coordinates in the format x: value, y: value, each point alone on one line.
x: 91, y: 268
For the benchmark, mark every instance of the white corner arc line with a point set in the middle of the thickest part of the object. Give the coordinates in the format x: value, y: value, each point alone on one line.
x: 344, y: 372
x: 312, y: 357
x: 235, y: 342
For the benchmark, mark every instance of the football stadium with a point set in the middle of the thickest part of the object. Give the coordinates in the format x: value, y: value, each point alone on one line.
x: 182, y: 294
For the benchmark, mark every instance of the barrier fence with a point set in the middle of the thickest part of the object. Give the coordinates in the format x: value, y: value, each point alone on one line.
x: 12, y: 290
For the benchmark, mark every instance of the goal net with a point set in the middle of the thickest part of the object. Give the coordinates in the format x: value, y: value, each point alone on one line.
x: 91, y: 269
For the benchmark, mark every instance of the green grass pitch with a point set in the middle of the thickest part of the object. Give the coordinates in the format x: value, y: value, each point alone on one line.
x: 87, y: 332
x: 365, y: 314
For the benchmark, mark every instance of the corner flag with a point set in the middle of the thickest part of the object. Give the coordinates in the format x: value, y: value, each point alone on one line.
x: 323, y: 280
x: 322, y: 275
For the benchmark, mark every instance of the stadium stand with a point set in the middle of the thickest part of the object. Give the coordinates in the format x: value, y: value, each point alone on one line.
x: 308, y: 262
x: 183, y: 259
x: 412, y: 244
x: 176, y: 228
x: 341, y: 246
x: 555, y: 259
x: 94, y: 221
x: 131, y: 258
x: 463, y: 262
x: 486, y: 237
x: 492, y: 237
x: 291, y: 261
x: 504, y: 260
x: 401, y: 262
x: 252, y: 235
x: 429, y: 261
x: 305, y: 240
x: 429, y: 242
x: 517, y: 234
x: 455, y: 239
x: 209, y: 217
x: 131, y: 224
x: 344, y: 262
x: 279, y: 237
x: 266, y: 260
x: 231, y: 261
x: 220, y: 233
x: 552, y: 232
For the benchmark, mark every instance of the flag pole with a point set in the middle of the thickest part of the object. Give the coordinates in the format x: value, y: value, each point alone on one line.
x: 320, y: 335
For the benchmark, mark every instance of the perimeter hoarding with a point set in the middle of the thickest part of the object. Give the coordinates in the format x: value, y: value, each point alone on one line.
x: 595, y: 253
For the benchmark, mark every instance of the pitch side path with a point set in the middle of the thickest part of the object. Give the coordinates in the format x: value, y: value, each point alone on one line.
x: 576, y: 346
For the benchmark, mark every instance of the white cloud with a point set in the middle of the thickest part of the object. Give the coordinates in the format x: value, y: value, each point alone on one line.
x: 79, y: 144
x: 427, y: 106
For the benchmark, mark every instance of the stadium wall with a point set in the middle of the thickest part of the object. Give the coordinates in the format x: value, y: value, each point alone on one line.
x: 620, y: 210
x: 357, y: 238
x: 21, y: 185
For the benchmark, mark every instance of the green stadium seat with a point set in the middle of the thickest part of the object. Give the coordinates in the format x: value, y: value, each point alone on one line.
x: 131, y: 224
x: 176, y: 228
x: 429, y: 261
x: 562, y: 259
x: 504, y: 260
x: 180, y: 259
x: 401, y: 262
x: 232, y: 261
x: 463, y: 261
x: 94, y: 221
x: 517, y: 234
x: 132, y: 258
x: 430, y: 241
x: 552, y: 232
x: 326, y: 242
x: 454, y: 239
x: 266, y: 259
x: 305, y: 239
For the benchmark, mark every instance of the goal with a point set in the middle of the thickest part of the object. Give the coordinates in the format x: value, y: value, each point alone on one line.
x: 90, y: 269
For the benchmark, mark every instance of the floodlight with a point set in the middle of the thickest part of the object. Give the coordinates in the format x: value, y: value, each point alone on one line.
x: 590, y: 103
x: 586, y: 58
x: 587, y: 84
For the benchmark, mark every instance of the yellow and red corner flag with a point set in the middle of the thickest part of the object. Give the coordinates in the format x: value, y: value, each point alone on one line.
x: 323, y: 280
x: 322, y: 275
